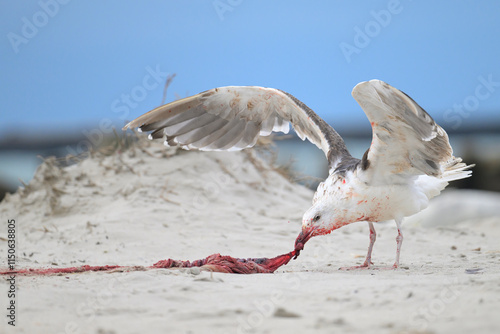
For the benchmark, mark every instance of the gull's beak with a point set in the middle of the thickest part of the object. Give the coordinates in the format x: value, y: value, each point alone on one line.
x: 306, y: 234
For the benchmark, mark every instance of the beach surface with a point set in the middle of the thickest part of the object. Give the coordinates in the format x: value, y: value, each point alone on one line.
x: 144, y: 204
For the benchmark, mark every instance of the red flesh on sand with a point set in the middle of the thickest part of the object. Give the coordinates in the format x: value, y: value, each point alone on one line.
x: 52, y: 271
x: 228, y: 264
x: 214, y: 262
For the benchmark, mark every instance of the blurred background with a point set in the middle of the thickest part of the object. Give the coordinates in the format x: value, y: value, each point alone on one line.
x: 72, y: 71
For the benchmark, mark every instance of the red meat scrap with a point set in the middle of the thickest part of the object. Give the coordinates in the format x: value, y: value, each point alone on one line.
x: 214, y: 262
x: 231, y: 265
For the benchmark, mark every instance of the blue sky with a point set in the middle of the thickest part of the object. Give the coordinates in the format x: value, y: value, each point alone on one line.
x: 72, y: 64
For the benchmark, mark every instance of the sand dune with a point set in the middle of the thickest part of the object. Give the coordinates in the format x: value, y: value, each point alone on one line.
x: 138, y: 206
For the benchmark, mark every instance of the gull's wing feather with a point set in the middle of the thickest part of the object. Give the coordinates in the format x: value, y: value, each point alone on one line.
x: 406, y: 141
x: 233, y: 117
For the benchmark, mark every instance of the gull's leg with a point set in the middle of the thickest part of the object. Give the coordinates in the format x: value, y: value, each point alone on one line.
x: 368, y: 260
x: 399, y: 240
x: 373, y: 237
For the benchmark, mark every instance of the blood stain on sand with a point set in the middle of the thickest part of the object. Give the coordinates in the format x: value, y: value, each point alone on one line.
x: 214, y: 263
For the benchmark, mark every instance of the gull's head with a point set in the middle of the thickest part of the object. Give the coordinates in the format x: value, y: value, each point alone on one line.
x: 318, y: 220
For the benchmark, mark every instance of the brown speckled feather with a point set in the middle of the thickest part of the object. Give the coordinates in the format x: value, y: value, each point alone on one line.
x: 233, y: 117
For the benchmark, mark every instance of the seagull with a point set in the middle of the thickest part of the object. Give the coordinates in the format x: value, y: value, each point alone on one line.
x: 409, y: 161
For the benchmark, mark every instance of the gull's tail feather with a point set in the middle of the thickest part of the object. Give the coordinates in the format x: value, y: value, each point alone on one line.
x: 455, y: 169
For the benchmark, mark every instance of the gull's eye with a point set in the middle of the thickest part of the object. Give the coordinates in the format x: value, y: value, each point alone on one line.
x: 316, y: 218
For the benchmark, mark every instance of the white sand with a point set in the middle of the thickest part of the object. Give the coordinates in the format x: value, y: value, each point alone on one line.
x: 141, y: 206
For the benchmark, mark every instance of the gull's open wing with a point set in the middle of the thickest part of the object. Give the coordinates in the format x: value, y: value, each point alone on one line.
x: 233, y: 117
x: 406, y: 141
